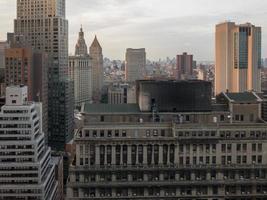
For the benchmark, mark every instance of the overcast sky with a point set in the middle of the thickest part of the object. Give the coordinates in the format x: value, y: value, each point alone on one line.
x: 163, y: 27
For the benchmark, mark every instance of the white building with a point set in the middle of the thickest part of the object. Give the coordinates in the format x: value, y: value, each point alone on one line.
x: 135, y: 64
x: 26, y: 171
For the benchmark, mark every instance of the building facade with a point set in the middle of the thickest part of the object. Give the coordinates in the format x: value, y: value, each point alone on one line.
x: 97, y: 69
x: 80, y: 67
x: 26, y: 169
x: 135, y: 64
x: 122, y: 93
x: 124, y: 153
x: 43, y: 26
x: 238, y: 58
x: 184, y: 65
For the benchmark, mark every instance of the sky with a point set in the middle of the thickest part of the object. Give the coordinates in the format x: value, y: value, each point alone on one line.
x: 163, y: 27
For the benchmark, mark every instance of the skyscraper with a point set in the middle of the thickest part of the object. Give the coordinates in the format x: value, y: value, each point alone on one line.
x: 184, y: 64
x: 26, y: 170
x: 97, y: 69
x: 238, y: 57
x: 80, y: 67
x: 135, y: 64
x: 44, y: 27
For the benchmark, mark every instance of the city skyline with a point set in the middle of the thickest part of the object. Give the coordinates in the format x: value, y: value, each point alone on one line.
x: 164, y: 29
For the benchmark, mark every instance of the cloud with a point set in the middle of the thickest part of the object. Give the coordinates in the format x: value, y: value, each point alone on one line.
x: 164, y: 28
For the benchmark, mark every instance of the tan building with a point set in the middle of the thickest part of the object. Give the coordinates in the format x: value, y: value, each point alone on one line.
x: 97, y: 69
x: 238, y: 57
x: 135, y: 64
x: 184, y: 64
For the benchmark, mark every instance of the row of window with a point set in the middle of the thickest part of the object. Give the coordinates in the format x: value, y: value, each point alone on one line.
x: 169, y: 191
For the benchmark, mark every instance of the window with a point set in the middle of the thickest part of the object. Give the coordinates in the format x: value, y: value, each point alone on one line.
x: 94, y: 133
x: 244, y: 159
x: 229, y: 148
x: 254, y: 147
x: 254, y: 159
x: 238, y: 159
x: 238, y: 147
x: 259, y: 159
x: 109, y: 133
x: 123, y: 133
x: 148, y: 133
x: 102, y: 133
x: 223, y: 148
x: 259, y: 147
x: 162, y: 133
x: 213, y: 159
x: 221, y: 118
x: 102, y: 118
x: 244, y: 147
x: 207, y: 160
x: 181, y: 160
x: 117, y: 133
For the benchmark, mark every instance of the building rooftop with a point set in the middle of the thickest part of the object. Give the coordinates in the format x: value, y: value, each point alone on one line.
x: 111, y: 108
x: 242, y: 97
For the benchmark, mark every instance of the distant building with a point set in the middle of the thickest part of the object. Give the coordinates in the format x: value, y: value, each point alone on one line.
x: 80, y: 67
x: 25, y: 66
x: 238, y: 57
x: 26, y: 169
x: 122, y: 93
x: 135, y: 64
x: 184, y: 64
x: 97, y: 69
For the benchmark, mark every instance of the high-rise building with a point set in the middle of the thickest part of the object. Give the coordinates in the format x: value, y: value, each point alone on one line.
x: 123, y: 152
x: 43, y: 26
x: 80, y: 67
x: 135, y: 64
x: 238, y: 57
x: 24, y: 66
x: 184, y: 65
x: 97, y: 69
x: 26, y: 169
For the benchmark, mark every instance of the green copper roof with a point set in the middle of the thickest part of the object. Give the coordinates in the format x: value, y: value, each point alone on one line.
x: 242, y: 97
x: 111, y: 108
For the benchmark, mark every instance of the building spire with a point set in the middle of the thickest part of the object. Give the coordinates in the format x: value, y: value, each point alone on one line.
x: 81, y: 47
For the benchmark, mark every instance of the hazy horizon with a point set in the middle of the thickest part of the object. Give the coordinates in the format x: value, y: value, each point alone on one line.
x: 164, y: 28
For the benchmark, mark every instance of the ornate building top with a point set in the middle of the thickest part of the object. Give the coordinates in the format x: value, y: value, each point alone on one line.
x: 81, y: 47
x: 96, y: 45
